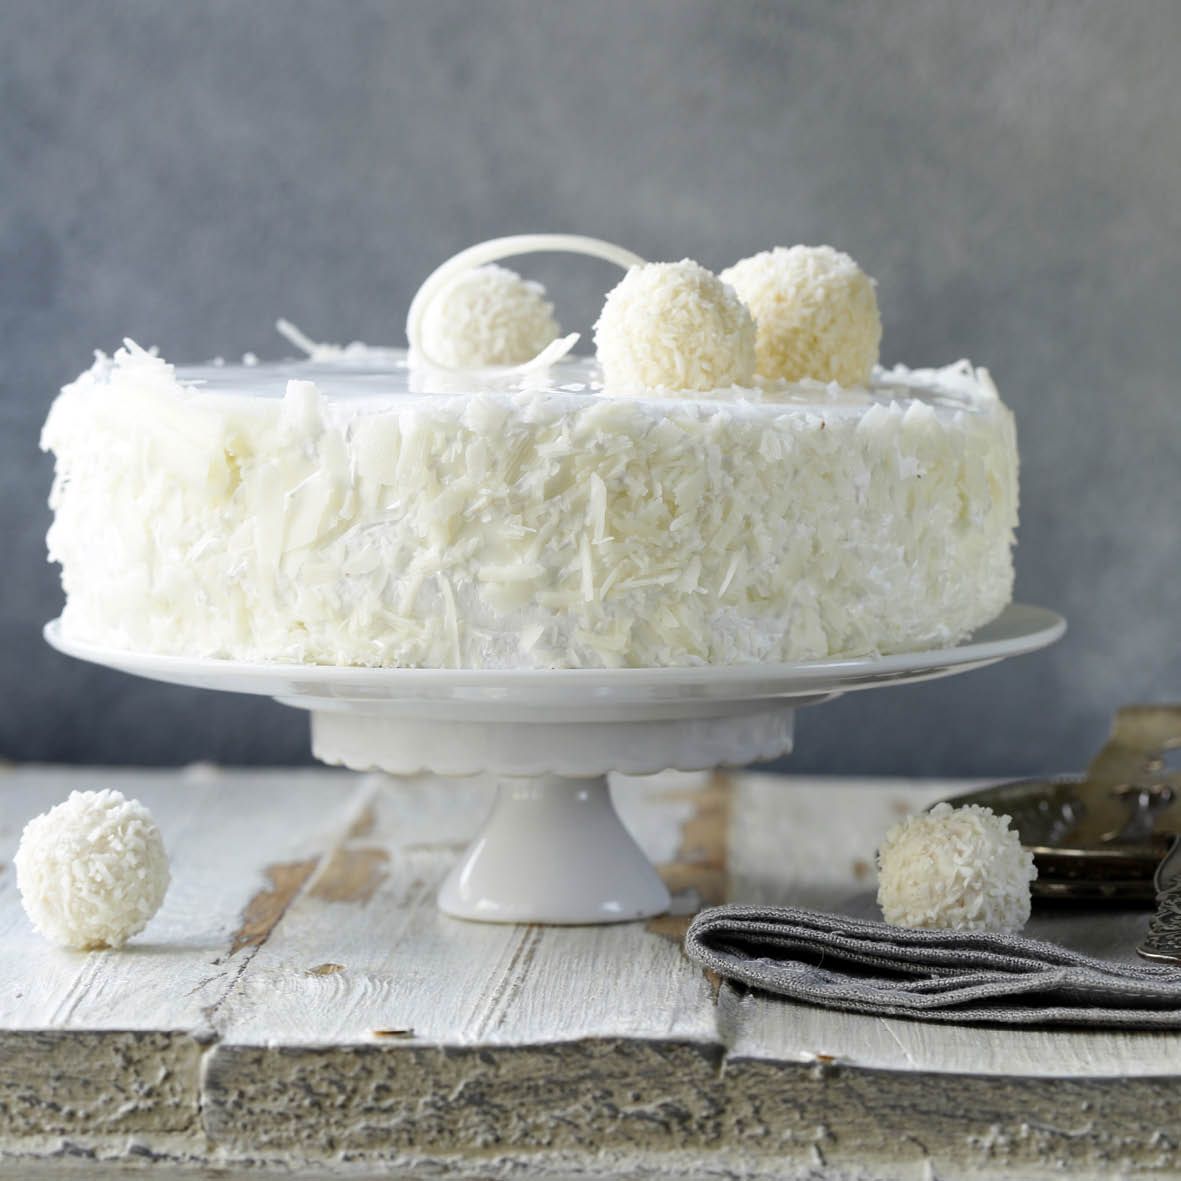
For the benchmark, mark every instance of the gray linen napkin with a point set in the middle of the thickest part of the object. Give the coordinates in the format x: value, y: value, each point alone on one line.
x: 862, y: 966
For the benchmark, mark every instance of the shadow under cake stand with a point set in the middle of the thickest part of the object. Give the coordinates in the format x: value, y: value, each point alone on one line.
x: 553, y: 849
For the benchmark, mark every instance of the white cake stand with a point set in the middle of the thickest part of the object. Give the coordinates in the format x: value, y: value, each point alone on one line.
x: 553, y: 849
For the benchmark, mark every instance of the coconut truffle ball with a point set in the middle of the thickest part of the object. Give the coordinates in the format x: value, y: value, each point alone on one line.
x: 955, y: 867
x: 92, y: 871
x: 816, y: 310
x: 488, y: 316
x: 675, y: 325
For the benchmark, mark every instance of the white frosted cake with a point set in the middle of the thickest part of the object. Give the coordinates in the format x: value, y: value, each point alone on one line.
x: 353, y: 510
x: 734, y: 480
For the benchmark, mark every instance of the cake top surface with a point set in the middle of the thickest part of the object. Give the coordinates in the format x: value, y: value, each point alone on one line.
x: 670, y: 334
x: 378, y: 375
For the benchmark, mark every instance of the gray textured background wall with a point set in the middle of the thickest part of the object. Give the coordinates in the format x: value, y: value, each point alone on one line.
x: 1011, y: 173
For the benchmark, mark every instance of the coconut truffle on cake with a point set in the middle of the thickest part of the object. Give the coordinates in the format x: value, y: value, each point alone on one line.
x: 816, y: 311
x: 961, y: 868
x: 92, y: 871
x: 674, y: 325
x: 488, y: 316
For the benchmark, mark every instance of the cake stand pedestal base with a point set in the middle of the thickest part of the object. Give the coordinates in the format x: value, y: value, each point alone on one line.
x: 553, y: 850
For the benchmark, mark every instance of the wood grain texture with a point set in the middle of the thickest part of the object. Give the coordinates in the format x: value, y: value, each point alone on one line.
x: 299, y: 1004
x: 406, y: 966
x: 222, y: 833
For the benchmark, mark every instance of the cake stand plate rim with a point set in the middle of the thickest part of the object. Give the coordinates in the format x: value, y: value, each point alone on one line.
x: 1020, y: 629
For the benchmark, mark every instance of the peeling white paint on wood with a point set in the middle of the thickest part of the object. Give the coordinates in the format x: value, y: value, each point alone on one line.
x: 302, y: 990
x: 219, y: 831
x: 408, y: 967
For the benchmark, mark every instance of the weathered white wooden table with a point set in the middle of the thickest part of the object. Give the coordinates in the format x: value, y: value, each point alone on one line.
x: 300, y: 1006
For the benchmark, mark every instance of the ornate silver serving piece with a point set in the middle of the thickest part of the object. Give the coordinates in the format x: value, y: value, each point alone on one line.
x: 1163, y: 938
x: 1109, y: 834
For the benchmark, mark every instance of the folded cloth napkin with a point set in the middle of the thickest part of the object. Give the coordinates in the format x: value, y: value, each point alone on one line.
x: 862, y: 966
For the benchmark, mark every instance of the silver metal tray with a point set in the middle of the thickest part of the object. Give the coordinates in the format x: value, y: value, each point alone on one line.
x: 1102, y: 835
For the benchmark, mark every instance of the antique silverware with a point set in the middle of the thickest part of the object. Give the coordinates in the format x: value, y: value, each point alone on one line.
x: 1163, y: 939
x: 1102, y: 836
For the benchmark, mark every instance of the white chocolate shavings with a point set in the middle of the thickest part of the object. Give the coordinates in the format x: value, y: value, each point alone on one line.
x: 676, y: 326
x: 816, y: 310
x: 92, y: 871
x: 316, y: 350
x: 960, y: 868
x: 488, y: 316
x: 524, y: 527
x: 423, y: 338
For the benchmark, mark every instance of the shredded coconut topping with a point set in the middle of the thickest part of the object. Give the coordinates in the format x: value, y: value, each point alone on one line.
x: 489, y: 316
x: 336, y: 516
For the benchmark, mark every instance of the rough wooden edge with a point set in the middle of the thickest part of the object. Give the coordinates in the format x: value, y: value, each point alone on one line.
x: 116, y: 1083
x: 956, y: 1124
x: 613, y: 1100
x: 605, y: 1108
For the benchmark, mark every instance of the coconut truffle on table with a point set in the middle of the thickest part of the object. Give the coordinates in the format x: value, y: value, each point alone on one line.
x: 92, y: 871
x: 961, y: 868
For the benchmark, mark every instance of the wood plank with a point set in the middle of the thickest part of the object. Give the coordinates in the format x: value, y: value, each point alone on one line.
x: 859, y: 1123
x: 812, y: 843
x: 344, y: 966
x: 111, y: 1043
x: 598, y: 1040
x: 222, y: 832
x: 302, y: 924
